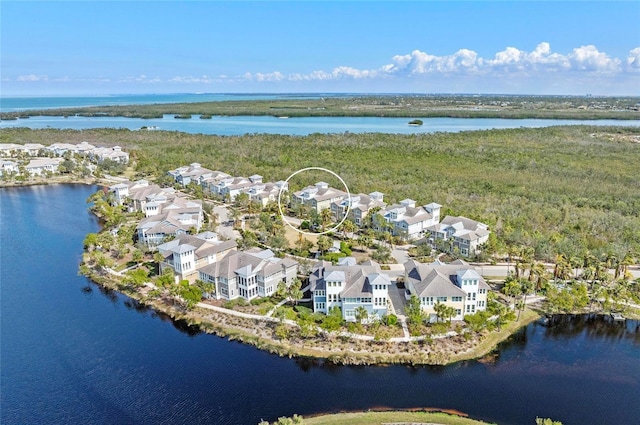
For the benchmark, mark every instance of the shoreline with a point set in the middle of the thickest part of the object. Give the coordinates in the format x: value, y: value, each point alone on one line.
x: 390, y: 415
x: 342, y: 350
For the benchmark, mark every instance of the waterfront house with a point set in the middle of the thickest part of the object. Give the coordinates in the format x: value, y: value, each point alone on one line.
x: 8, y: 167
x: 359, y: 206
x: 348, y: 286
x: 457, y: 285
x: 464, y: 234
x: 407, y: 221
x: 250, y: 274
x: 186, y: 253
x: 39, y: 166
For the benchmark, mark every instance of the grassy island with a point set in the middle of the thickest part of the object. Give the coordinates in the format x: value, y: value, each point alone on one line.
x: 422, y: 106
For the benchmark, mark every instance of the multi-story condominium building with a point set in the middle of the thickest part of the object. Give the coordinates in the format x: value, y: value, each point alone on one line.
x: 249, y: 274
x: 186, y: 253
x: 457, y: 285
x: 359, y: 206
x: 173, y: 219
x: 8, y: 167
x: 464, y: 234
x: 317, y: 197
x: 208, y: 183
x: 266, y: 192
x: 192, y: 173
x: 407, y: 221
x: 349, y: 286
x: 39, y: 166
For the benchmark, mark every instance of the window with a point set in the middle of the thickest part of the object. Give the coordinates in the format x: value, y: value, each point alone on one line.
x: 456, y: 299
x: 350, y: 313
x: 442, y: 299
x: 320, y: 306
x: 458, y: 312
x: 320, y: 292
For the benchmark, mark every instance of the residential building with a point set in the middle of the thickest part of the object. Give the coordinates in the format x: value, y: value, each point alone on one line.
x: 348, y: 285
x: 359, y: 206
x: 264, y: 193
x: 39, y: 166
x: 186, y: 253
x: 101, y: 154
x: 194, y: 172
x: 317, y: 197
x: 407, y: 221
x: 250, y: 274
x: 464, y: 234
x: 457, y: 285
x: 8, y: 167
x: 173, y: 219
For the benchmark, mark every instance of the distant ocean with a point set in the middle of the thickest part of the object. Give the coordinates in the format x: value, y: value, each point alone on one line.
x: 13, y: 104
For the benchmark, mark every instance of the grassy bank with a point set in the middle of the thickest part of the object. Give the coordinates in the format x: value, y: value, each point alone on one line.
x: 492, y: 339
x: 376, y: 418
x: 511, y: 107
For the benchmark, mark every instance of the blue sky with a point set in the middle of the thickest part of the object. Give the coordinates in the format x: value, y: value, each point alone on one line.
x: 577, y: 47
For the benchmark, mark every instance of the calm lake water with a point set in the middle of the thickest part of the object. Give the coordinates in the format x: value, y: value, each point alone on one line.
x: 235, y: 126
x: 72, y: 353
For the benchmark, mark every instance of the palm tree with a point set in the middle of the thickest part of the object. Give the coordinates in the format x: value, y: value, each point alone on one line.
x: 526, y: 287
x: 349, y: 227
x: 361, y: 314
x: 511, y: 288
x: 325, y: 217
x: 501, y: 311
x: 440, y: 310
x: 538, y: 270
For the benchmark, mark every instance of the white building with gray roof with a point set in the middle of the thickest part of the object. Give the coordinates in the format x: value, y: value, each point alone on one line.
x: 250, y: 274
x: 348, y: 286
x: 407, y: 221
x: 186, y: 253
x: 464, y: 234
x: 456, y: 284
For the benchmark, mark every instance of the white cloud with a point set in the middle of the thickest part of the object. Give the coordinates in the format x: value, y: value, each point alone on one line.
x: 511, y: 60
x: 32, y: 78
x: 633, y: 59
x: 588, y: 58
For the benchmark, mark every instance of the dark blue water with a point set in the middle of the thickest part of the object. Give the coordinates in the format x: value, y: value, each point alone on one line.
x: 71, y: 353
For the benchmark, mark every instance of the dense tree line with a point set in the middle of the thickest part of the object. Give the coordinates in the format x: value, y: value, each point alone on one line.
x: 557, y: 190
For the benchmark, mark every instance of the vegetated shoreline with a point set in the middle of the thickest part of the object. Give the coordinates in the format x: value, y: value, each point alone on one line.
x: 508, y: 107
x: 389, y: 415
x: 349, y: 351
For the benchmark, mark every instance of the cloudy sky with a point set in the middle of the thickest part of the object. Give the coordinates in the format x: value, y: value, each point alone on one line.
x: 546, y: 47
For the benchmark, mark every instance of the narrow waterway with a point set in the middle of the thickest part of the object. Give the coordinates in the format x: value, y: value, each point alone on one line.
x: 73, y: 353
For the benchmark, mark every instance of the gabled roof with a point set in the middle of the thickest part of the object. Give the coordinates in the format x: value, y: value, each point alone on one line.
x: 439, y: 280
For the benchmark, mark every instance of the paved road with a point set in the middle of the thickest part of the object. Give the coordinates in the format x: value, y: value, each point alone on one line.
x: 223, y: 229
